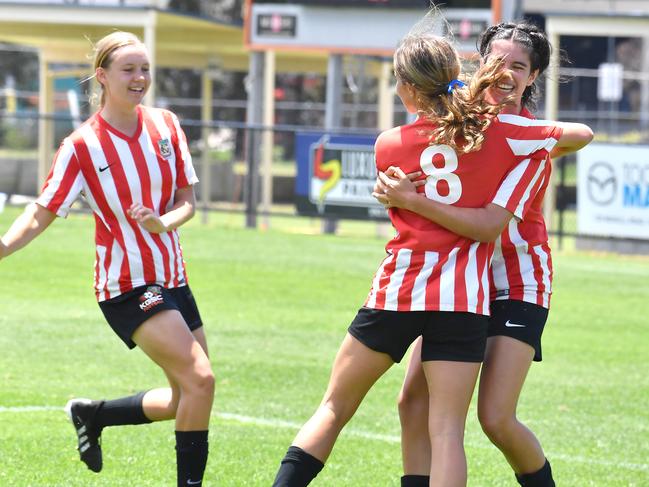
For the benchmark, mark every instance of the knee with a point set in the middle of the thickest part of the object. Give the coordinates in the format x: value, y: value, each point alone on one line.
x: 206, y: 380
x: 412, y: 404
x: 339, y: 410
x: 494, y: 422
x: 200, y: 380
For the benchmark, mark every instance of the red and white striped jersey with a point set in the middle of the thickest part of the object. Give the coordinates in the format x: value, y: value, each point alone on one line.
x: 429, y: 267
x: 521, y: 268
x: 112, y: 170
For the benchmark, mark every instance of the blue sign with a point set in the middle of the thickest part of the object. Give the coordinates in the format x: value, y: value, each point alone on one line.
x: 336, y: 175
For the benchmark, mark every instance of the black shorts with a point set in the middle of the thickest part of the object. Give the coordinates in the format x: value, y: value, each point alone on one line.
x: 127, y: 311
x: 520, y: 320
x: 454, y: 336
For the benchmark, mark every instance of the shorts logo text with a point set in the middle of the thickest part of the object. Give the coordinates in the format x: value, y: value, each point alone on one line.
x: 151, y: 297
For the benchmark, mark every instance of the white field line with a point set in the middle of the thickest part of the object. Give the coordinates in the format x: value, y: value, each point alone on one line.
x: 278, y: 423
x: 28, y: 409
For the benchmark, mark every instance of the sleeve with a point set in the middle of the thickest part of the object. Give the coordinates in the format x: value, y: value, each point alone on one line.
x: 528, y: 137
x: 64, y: 182
x: 185, y: 173
x: 381, y: 150
x: 521, y: 185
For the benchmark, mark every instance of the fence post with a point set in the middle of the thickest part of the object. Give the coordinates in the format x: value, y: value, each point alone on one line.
x: 333, y: 114
x: 267, y: 137
x: 206, y: 118
x: 551, y: 107
x: 45, y: 123
x: 254, y: 114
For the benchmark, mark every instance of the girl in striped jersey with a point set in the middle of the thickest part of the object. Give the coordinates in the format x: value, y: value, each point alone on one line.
x: 520, y: 272
x: 132, y: 165
x: 433, y: 282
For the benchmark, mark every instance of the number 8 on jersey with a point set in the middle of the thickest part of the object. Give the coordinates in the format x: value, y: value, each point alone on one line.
x: 446, y: 155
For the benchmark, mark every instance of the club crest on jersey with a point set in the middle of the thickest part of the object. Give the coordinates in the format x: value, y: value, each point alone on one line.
x: 165, y: 148
x: 151, y: 297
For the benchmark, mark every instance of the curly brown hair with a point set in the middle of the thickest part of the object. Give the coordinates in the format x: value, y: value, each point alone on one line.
x: 429, y: 63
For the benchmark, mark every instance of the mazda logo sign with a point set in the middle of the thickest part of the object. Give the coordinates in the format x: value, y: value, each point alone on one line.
x: 602, y: 183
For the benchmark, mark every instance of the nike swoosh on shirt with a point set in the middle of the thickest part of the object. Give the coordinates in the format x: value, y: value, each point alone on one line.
x: 509, y: 324
x: 102, y: 169
x: 193, y: 482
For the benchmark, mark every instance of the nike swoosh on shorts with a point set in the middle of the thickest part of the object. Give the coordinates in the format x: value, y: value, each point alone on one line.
x: 509, y: 324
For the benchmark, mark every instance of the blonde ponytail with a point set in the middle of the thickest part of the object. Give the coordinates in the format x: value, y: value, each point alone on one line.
x: 429, y: 64
x: 462, y: 116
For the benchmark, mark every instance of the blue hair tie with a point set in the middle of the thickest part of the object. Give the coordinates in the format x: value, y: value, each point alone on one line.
x: 453, y: 84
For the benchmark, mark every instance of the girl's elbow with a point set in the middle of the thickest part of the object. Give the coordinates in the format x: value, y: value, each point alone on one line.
x: 491, y: 233
x: 583, y: 137
x: 189, y: 209
x: 490, y: 236
x: 485, y: 235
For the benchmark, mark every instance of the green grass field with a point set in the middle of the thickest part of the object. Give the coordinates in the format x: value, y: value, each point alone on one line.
x: 276, y: 304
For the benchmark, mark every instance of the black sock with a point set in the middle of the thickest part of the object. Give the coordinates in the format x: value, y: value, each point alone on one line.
x: 540, y: 478
x: 415, y: 480
x: 125, y: 410
x: 298, y: 468
x: 191, y: 457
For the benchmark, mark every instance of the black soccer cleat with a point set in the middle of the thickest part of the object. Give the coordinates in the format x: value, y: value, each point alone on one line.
x: 82, y: 414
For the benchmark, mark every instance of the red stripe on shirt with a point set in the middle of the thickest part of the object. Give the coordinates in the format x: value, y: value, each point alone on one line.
x: 384, y: 280
x: 461, y: 262
x: 147, y: 201
x: 407, y: 285
x: 69, y: 175
x: 176, y: 138
x: 433, y: 284
x: 482, y: 261
x: 513, y: 265
x: 126, y: 199
x: 165, y: 170
x: 90, y: 175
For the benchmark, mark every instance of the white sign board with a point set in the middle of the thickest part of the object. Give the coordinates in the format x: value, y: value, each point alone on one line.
x: 609, y: 82
x: 352, y: 29
x: 613, y: 190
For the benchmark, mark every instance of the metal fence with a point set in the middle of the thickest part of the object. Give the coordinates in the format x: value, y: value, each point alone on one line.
x: 227, y: 153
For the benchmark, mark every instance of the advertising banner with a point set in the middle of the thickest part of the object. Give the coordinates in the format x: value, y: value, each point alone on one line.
x: 333, y: 25
x: 613, y: 190
x: 336, y: 176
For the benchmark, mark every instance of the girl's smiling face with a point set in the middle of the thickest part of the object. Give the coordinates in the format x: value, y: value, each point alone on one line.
x: 127, y: 78
x: 519, y: 70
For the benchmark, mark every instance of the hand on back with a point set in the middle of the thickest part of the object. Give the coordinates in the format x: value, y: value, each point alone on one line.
x: 394, y: 188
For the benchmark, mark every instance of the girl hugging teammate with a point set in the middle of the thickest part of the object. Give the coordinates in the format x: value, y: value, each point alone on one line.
x: 434, y: 282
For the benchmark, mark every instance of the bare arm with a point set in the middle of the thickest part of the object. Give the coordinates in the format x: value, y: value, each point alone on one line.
x: 575, y: 136
x: 395, y: 189
x: 34, y: 220
x: 182, y: 211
